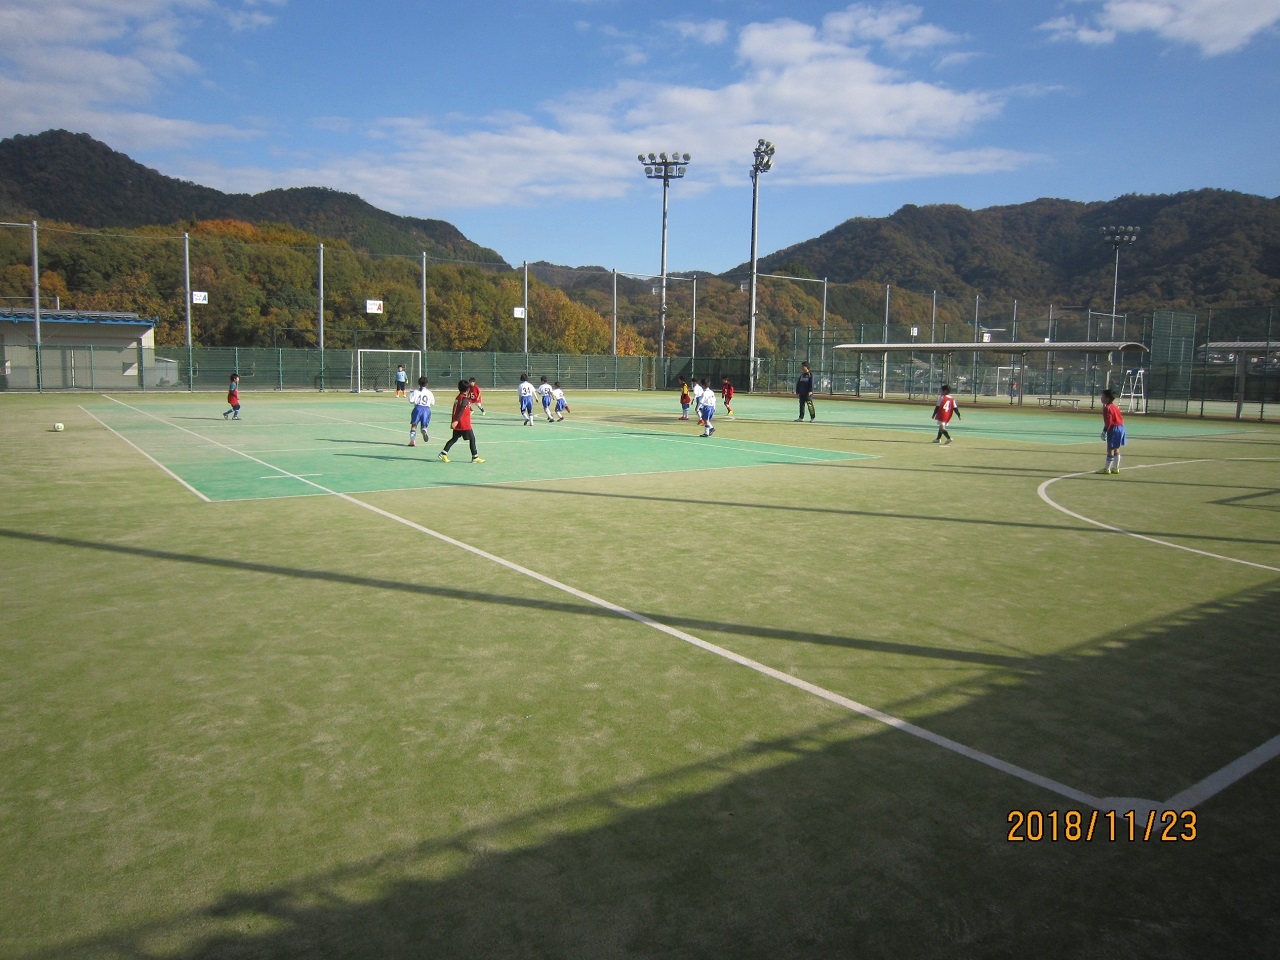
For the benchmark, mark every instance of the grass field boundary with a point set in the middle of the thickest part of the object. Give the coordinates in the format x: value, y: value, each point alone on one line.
x: 1043, y: 492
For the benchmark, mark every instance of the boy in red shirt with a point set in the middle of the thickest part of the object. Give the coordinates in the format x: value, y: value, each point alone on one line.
x: 944, y: 411
x: 460, y: 422
x: 726, y: 391
x: 474, y: 395
x: 1112, y: 431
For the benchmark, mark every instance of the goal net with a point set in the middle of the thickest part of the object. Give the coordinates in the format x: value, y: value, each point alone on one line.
x: 375, y: 370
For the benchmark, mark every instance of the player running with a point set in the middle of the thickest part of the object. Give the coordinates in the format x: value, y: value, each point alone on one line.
x: 544, y: 391
x: 560, y: 403
x: 422, y: 400
x: 460, y: 423
x: 526, y: 399
x: 726, y: 394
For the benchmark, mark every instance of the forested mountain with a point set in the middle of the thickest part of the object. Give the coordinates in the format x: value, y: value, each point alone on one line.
x: 1197, y: 249
x: 73, y: 178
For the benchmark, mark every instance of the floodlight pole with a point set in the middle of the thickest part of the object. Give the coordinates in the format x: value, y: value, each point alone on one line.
x: 186, y: 283
x: 762, y: 161
x: 665, y: 168
x: 35, y: 300
x: 1118, y: 237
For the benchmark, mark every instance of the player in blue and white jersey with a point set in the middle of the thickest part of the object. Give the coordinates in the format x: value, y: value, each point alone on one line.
x: 422, y: 400
x: 544, y: 391
x: 526, y: 400
x: 707, y: 408
x: 561, y: 404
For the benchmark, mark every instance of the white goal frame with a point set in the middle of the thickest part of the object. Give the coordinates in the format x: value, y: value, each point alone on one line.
x: 374, y: 371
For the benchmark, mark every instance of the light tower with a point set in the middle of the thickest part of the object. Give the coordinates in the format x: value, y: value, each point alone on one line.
x: 762, y: 162
x: 664, y: 167
x: 1118, y: 237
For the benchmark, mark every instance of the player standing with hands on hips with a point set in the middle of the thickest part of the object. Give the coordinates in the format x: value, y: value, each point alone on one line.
x: 945, y: 409
x: 804, y: 390
x: 460, y: 422
x: 1112, y: 431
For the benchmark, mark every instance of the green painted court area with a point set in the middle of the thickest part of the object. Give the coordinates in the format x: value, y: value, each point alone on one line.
x: 309, y: 446
x: 288, y: 688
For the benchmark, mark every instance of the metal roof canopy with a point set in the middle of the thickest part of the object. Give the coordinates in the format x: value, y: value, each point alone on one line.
x: 1243, y: 346
x: 1065, y: 346
x: 26, y: 315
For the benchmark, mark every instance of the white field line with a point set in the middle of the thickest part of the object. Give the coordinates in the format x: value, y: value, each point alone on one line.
x: 1042, y: 491
x: 872, y: 713
x: 1241, y: 767
x: 151, y: 458
x: 1216, y: 782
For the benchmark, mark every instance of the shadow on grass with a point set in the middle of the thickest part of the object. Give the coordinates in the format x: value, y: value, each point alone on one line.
x: 881, y: 514
x: 845, y: 840
x: 554, y: 606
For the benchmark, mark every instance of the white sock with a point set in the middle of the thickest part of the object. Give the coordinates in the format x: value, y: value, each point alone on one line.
x: 1116, y: 465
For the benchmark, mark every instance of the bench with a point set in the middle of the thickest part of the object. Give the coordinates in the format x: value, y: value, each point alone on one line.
x: 1071, y: 402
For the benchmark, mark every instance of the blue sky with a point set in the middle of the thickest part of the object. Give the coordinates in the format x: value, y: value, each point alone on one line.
x: 520, y: 122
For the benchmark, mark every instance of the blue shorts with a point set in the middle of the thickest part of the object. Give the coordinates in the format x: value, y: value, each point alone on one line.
x: 706, y: 413
x: 561, y: 405
x: 420, y: 417
x: 1115, y: 437
x: 526, y: 404
x: 546, y: 401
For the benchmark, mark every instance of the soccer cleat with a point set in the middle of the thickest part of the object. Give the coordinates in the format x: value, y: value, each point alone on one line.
x: 412, y: 444
x: 1104, y: 471
x: 236, y: 417
x: 444, y: 456
x: 947, y: 443
x: 477, y: 459
x: 799, y: 419
x: 1115, y: 469
x: 227, y: 414
x: 710, y: 431
x: 937, y: 440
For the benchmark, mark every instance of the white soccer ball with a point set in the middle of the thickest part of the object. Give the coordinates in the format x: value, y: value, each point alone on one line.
x: 59, y: 427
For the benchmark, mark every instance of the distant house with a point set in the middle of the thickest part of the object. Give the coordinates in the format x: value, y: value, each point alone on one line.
x: 88, y: 349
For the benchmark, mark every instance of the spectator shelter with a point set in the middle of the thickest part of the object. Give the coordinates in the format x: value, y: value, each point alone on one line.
x: 1016, y: 385
x: 90, y: 349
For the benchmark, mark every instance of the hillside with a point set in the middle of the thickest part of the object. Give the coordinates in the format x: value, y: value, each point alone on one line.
x: 73, y: 178
x: 1201, y: 248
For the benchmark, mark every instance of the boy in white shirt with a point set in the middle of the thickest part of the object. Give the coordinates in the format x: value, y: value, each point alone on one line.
x: 561, y: 404
x: 698, y: 388
x: 422, y: 400
x: 526, y: 400
x: 707, y: 408
x: 544, y: 391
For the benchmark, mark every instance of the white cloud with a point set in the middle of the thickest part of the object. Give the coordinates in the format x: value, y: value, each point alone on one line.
x: 1215, y: 26
x: 837, y: 116
x: 90, y: 64
x: 817, y: 90
x: 896, y: 26
x: 710, y: 32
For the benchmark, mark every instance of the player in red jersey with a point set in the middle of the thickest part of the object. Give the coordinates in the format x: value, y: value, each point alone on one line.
x: 726, y: 393
x: 1112, y: 431
x: 473, y: 395
x: 945, y: 409
x: 460, y: 422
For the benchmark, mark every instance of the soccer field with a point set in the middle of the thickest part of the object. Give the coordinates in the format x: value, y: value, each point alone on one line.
x: 287, y: 687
